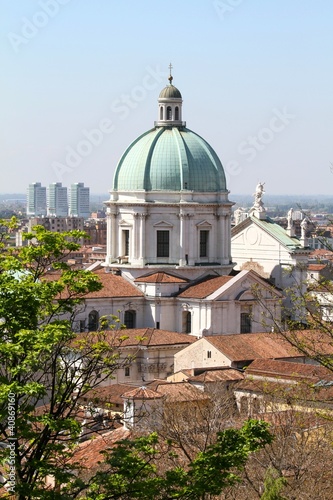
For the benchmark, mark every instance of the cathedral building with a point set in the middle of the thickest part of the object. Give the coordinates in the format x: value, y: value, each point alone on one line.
x: 169, y: 206
x: 169, y: 238
x: 168, y: 264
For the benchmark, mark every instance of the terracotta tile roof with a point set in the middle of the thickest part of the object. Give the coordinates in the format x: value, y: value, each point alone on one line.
x: 321, y: 253
x: 316, y: 267
x: 181, y: 392
x: 154, y: 384
x: 88, y: 453
x: 110, y: 394
x: 160, y: 278
x: 142, y: 393
x: 314, y: 393
x: 313, y: 341
x: 112, y: 285
x: 151, y: 337
x: 288, y: 370
x: 250, y: 346
x: 263, y: 386
x: 204, y: 288
x: 224, y: 375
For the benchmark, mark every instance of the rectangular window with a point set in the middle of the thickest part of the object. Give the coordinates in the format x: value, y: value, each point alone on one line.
x: 209, y: 354
x: 162, y: 243
x: 127, y: 371
x: 204, y: 243
x: 188, y: 322
x: 245, y: 323
x: 126, y: 242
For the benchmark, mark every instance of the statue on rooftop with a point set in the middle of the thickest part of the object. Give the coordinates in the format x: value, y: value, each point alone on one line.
x: 238, y: 214
x: 258, y: 204
x: 304, y: 227
x: 290, y: 218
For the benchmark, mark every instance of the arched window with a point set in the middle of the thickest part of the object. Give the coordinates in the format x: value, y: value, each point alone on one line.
x: 161, y: 113
x: 93, y: 321
x: 176, y: 113
x: 129, y: 319
x: 169, y: 113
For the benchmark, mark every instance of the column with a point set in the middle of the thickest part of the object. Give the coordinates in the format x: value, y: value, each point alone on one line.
x: 182, y: 238
x: 142, y: 237
x: 113, y: 218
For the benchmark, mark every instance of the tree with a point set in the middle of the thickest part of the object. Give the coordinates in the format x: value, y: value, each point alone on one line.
x: 44, y: 367
x: 298, y: 463
x: 193, y: 425
x: 144, y: 467
x: 273, y: 486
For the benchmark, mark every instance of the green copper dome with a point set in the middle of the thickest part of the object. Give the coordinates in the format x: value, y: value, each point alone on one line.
x: 169, y: 159
x: 170, y: 92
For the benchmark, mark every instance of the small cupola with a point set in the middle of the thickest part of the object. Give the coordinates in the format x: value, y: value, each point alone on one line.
x: 170, y: 106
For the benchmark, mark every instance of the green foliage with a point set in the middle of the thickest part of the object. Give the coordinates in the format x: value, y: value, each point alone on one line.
x: 273, y: 486
x: 144, y: 468
x: 43, y: 368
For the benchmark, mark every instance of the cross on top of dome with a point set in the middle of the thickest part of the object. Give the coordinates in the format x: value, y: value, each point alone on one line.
x: 170, y: 76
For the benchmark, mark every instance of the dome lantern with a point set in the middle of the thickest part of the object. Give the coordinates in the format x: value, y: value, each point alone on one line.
x: 170, y: 106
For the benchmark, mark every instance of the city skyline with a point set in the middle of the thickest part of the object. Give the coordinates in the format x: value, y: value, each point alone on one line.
x: 82, y: 82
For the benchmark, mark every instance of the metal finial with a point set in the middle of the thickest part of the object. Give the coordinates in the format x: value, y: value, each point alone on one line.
x: 170, y: 77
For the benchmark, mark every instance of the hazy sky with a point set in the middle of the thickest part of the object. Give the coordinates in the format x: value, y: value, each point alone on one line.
x: 81, y: 78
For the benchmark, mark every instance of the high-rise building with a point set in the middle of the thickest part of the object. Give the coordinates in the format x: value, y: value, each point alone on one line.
x: 79, y: 200
x: 36, y: 200
x: 57, y: 203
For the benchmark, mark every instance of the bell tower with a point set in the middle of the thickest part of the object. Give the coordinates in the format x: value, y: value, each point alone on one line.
x: 170, y: 106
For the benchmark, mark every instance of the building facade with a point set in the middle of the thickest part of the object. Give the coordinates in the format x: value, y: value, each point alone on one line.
x: 169, y: 206
x: 168, y: 251
x: 79, y: 200
x: 36, y: 200
x: 57, y: 202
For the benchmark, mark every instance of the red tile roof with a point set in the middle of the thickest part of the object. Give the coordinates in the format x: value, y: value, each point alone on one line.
x: 110, y: 394
x: 181, y: 392
x: 88, y: 453
x: 204, y: 288
x: 316, y: 267
x: 151, y: 337
x: 288, y: 370
x: 321, y: 253
x: 250, y: 346
x: 224, y: 375
x: 309, y: 393
x: 160, y: 278
x: 142, y: 393
x: 113, y: 286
